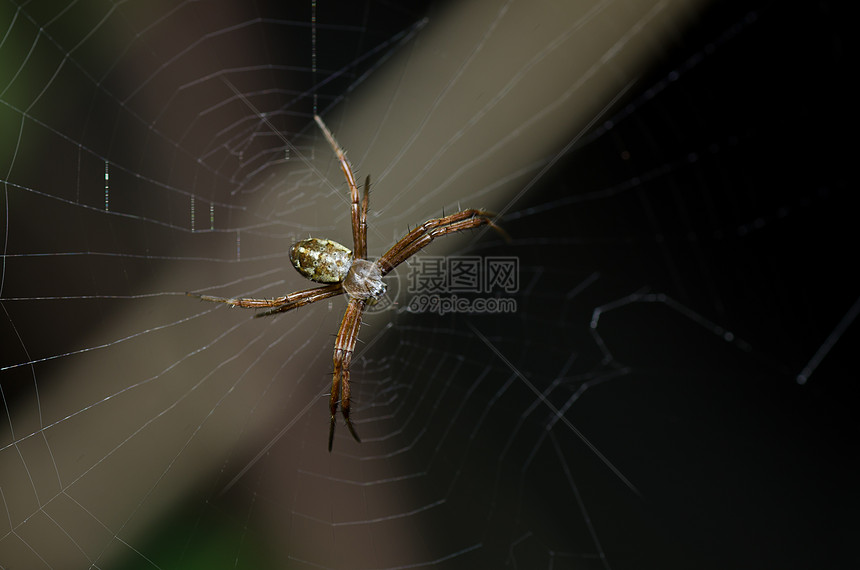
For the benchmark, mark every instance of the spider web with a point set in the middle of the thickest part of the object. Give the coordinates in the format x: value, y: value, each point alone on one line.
x: 672, y: 390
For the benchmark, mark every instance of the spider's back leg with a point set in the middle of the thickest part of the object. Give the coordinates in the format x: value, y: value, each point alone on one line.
x: 343, y: 348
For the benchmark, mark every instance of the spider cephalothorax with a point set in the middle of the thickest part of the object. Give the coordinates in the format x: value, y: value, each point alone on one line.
x: 351, y: 273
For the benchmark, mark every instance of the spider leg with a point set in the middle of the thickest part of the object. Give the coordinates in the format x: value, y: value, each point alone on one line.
x: 420, y: 237
x: 343, y: 348
x: 361, y: 248
x: 358, y: 240
x: 278, y: 304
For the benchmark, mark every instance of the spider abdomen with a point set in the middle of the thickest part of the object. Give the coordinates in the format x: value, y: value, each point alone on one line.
x: 321, y: 260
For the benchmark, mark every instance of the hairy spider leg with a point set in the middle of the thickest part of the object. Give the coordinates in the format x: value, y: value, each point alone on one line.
x: 361, y: 250
x: 313, y: 295
x: 343, y: 348
x: 278, y: 304
x: 359, y: 240
x: 420, y: 237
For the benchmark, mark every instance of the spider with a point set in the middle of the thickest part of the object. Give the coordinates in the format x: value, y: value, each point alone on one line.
x: 351, y: 273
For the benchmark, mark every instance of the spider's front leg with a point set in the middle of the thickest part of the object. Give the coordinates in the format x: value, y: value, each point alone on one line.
x: 343, y: 348
x: 420, y: 237
x: 278, y: 304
